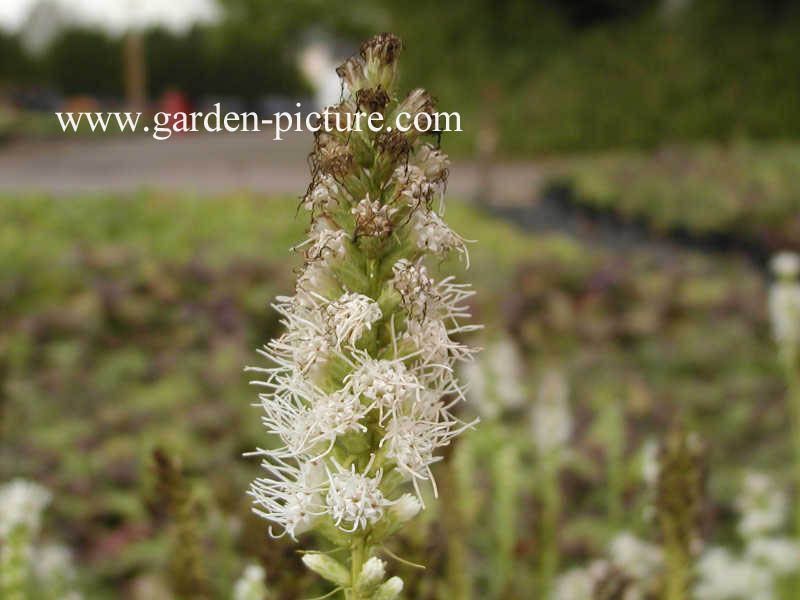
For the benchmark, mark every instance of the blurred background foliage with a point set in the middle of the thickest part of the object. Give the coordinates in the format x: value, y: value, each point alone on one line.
x: 557, y: 75
x: 127, y: 321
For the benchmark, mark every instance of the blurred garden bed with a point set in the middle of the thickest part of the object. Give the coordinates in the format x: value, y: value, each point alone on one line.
x: 127, y: 321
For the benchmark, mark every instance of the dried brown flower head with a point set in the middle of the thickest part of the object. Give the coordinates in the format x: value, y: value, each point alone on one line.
x: 384, y: 47
x: 372, y: 100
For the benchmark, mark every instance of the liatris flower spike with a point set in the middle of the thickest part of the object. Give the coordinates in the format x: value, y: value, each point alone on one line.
x: 361, y: 389
x: 784, y: 308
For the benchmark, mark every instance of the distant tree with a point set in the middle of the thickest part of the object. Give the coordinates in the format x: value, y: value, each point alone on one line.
x: 250, y: 67
x: 182, y: 61
x: 220, y: 59
x: 16, y: 65
x: 581, y: 13
x: 85, y: 61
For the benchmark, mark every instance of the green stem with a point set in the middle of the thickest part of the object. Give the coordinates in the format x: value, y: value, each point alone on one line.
x: 549, y: 555
x: 677, y: 573
x: 13, y: 565
x: 616, y: 482
x: 357, y: 555
x: 505, y: 513
x: 457, y: 520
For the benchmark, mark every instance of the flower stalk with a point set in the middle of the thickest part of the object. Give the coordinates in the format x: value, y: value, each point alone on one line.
x: 187, y: 575
x: 505, y: 468
x: 679, y: 506
x: 461, y: 498
x: 356, y: 565
x: 784, y: 305
x: 551, y: 424
x: 14, y: 567
x: 360, y: 391
x: 21, y: 505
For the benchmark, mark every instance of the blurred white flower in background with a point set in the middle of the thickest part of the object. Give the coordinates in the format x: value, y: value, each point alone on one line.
x: 551, y: 421
x: 318, y: 62
x: 251, y: 586
x: 762, y: 506
x: 506, y: 363
x: 639, y: 559
x: 784, y: 298
x: 593, y: 582
x: 575, y: 584
x: 651, y: 465
x: 22, y: 503
x: 23, y: 559
x: 494, y: 381
x: 786, y: 265
x: 722, y: 576
x: 780, y: 555
x: 763, y: 509
x: 477, y: 384
x: 53, y: 561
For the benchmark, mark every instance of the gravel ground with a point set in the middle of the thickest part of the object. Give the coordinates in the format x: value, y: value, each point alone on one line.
x: 204, y: 163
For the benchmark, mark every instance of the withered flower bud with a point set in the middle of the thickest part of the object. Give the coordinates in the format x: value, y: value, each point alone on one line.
x: 351, y: 72
x: 372, y: 100
x: 336, y: 120
x: 417, y: 102
x: 384, y: 48
x: 393, y: 143
x: 372, y: 218
x: 433, y: 162
x: 333, y: 159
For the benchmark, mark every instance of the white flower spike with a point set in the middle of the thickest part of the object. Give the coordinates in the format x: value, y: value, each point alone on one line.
x: 360, y: 392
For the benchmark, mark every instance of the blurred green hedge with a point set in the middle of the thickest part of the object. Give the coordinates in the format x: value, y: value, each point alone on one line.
x: 552, y: 76
x: 637, y: 77
x: 747, y: 191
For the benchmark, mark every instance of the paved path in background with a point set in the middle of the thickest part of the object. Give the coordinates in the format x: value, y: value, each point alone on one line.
x: 211, y: 164
x: 202, y: 163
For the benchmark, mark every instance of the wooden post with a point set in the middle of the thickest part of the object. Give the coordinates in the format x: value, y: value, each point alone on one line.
x: 135, y: 71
